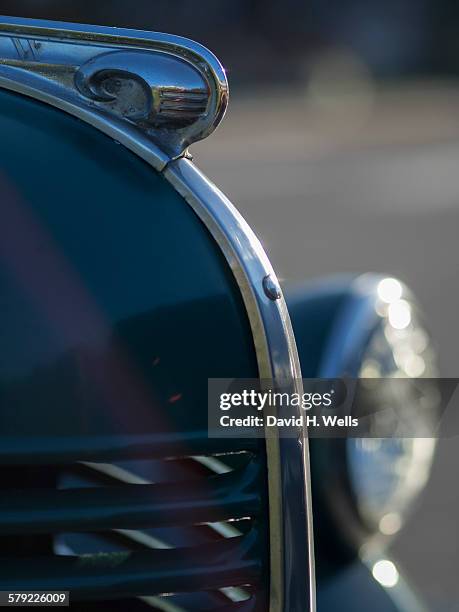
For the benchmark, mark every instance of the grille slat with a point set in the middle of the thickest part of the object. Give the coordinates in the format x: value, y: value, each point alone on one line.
x: 254, y: 603
x: 231, y: 562
x: 232, y: 495
x: 62, y: 450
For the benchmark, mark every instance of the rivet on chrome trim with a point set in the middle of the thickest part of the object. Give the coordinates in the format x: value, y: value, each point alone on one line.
x: 271, y: 288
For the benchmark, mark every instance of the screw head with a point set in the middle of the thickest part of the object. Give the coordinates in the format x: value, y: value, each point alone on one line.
x: 271, y: 288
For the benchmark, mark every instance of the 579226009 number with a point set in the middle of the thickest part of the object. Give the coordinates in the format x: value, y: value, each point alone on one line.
x: 34, y: 598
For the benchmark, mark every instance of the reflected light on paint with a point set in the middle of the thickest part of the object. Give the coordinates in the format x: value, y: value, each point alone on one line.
x: 385, y: 573
x: 389, y: 290
x: 399, y: 314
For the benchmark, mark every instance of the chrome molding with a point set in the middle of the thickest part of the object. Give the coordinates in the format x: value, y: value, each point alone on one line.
x: 145, y: 86
x: 156, y: 94
x: 291, y: 542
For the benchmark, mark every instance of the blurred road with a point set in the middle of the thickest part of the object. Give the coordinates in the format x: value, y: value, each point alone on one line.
x: 355, y: 184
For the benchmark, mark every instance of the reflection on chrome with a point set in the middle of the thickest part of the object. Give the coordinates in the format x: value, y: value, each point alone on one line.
x: 390, y: 290
x: 399, y: 313
x: 390, y: 523
x: 388, y: 473
x: 385, y: 572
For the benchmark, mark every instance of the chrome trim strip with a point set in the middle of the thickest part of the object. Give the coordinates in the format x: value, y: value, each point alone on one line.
x: 292, y: 584
x: 291, y: 543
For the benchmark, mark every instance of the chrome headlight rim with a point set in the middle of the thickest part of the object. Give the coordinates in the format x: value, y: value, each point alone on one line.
x: 373, y: 303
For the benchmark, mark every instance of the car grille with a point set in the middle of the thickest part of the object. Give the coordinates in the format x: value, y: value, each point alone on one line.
x: 175, y: 532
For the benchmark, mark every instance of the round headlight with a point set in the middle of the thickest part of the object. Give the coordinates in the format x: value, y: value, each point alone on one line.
x: 386, y: 474
x: 372, y: 482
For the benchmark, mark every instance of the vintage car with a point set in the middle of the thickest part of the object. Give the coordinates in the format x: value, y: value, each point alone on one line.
x: 127, y: 281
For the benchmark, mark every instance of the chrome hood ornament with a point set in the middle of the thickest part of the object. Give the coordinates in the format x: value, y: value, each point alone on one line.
x: 168, y: 89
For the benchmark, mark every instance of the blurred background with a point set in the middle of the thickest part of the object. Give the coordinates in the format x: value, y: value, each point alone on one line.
x: 341, y: 148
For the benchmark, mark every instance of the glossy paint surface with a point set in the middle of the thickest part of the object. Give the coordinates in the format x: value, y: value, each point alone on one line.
x: 116, y: 304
